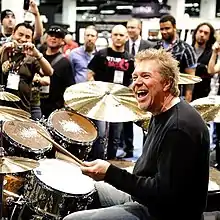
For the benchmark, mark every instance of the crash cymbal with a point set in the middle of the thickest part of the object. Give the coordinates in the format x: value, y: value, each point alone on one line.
x: 188, y: 79
x: 9, y: 113
x: 16, y: 164
x: 208, y: 107
x: 6, y: 96
x: 103, y: 101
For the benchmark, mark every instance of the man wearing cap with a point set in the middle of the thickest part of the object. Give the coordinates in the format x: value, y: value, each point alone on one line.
x: 8, y: 22
x: 52, y: 95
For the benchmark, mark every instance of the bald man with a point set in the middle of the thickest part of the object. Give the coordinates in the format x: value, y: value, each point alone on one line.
x: 115, y: 65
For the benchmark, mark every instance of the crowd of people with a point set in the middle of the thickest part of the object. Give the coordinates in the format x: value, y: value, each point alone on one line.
x: 170, y: 179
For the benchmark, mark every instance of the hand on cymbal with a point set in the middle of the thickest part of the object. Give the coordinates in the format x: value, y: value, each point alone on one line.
x: 96, y: 169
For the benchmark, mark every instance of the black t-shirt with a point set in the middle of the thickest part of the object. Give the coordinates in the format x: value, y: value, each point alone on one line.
x: 202, y: 88
x: 62, y: 78
x: 27, y: 70
x: 107, y: 61
x: 172, y: 174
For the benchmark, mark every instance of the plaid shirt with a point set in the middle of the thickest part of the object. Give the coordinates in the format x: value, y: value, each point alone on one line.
x: 182, y: 52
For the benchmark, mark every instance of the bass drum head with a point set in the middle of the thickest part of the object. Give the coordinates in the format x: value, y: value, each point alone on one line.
x: 73, y: 126
x: 64, y: 177
x: 26, y: 135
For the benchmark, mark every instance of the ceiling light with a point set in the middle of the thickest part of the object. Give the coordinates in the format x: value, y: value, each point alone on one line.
x: 107, y: 12
x: 119, y: 7
x: 86, y: 8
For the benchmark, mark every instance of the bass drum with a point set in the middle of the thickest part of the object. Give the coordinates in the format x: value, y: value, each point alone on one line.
x: 58, y: 188
x: 73, y: 131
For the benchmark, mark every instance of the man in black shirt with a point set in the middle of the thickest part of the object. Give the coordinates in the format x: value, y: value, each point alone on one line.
x: 62, y: 76
x: 170, y: 179
x: 114, y: 65
x: 203, y: 39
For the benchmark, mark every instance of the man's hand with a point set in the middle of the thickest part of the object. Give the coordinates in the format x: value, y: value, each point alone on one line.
x: 31, y: 50
x: 188, y: 95
x: 96, y: 169
x: 33, y: 8
x: 216, y: 47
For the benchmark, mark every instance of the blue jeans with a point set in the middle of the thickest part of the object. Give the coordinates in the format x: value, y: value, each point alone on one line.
x: 36, y: 112
x: 116, y: 205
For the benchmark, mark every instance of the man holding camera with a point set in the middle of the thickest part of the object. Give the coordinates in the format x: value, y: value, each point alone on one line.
x: 8, y: 22
x: 20, y: 60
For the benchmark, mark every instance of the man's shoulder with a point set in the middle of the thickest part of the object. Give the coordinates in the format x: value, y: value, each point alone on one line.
x: 185, y: 45
x: 146, y: 44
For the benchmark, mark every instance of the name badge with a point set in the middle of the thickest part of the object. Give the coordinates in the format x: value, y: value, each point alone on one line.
x: 118, y: 77
x: 13, y: 81
x: 45, y: 89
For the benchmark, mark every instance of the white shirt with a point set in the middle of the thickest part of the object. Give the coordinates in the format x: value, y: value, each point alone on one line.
x: 137, y: 45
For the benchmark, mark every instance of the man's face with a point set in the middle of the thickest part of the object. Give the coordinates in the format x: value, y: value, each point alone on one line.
x: 54, y: 41
x: 202, y: 35
x: 134, y: 29
x: 167, y: 31
x: 119, y: 37
x: 23, y: 35
x: 90, y: 37
x: 9, y: 22
x: 148, y: 86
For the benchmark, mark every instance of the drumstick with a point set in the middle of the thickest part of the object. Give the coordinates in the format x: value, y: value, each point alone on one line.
x: 63, y: 150
x: 61, y: 156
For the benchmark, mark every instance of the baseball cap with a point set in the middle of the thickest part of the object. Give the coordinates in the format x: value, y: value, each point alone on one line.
x: 5, y: 13
x: 56, y: 30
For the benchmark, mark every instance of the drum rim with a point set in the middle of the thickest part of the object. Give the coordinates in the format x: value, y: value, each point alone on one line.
x: 71, y: 141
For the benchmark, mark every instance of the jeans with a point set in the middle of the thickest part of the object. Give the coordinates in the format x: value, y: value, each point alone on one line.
x: 99, y: 147
x: 116, y: 205
x: 36, y: 112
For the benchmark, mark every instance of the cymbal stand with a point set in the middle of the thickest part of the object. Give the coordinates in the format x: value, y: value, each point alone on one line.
x: 2, y: 175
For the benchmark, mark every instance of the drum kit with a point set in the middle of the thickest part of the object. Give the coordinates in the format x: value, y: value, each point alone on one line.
x: 39, y: 161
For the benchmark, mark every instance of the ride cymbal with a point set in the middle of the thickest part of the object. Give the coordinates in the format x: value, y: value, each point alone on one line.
x: 188, y: 79
x: 16, y: 164
x: 208, y: 107
x: 103, y: 101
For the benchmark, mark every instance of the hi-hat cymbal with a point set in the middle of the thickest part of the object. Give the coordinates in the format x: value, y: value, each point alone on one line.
x: 9, y: 113
x: 103, y: 101
x: 16, y: 164
x: 208, y: 107
x: 188, y: 79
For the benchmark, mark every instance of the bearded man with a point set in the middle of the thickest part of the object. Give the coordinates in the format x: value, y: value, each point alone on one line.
x: 80, y: 57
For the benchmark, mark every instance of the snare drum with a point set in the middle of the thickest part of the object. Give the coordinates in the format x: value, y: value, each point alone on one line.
x: 73, y: 131
x: 58, y: 188
x: 23, y: 140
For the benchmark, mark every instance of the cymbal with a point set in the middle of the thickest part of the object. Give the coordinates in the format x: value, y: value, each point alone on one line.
x: 208, y: 107
x: 6, y: 96
x: 16, y: 164
x: 144, y: 123
x: 185, y: 78
x: 103, y: 101
x: 9, y: 113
